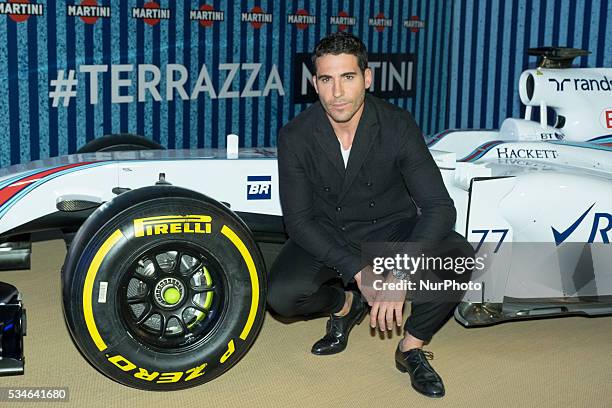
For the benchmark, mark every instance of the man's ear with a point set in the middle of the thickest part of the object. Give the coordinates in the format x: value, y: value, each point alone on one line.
x: 314, y: 83
x: 367, y: 76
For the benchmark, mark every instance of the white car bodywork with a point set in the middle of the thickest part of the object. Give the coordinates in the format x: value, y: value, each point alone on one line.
x: 529, y: 182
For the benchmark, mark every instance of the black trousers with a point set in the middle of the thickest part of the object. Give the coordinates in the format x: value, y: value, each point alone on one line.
x: 300, y: 285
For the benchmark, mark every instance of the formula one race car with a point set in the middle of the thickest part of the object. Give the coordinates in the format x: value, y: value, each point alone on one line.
x: 164, y: 284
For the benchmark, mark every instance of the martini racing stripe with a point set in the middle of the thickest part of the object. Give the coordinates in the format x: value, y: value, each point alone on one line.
x: 605, y: 140
x: 480, y: 151
x: 14, y: 178
x: 12, y: 193
x: 437, y: 137
x: 11, y: 190
x: 585, y: 145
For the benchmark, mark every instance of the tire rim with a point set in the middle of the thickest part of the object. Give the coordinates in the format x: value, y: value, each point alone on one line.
x: 172, y: 296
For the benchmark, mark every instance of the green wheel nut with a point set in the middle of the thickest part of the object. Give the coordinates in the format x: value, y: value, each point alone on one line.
x: 172, y: 295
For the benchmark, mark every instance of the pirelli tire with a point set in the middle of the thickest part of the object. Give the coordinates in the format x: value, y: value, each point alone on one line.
x: 149, y: 245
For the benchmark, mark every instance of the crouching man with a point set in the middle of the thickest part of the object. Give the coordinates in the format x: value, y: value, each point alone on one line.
x: 351, y: 169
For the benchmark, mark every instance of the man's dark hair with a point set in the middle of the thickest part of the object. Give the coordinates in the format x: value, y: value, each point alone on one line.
x: 342, y: 43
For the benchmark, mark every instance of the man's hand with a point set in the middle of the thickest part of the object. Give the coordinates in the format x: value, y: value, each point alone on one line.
x: 388, y: 305
x: 382, y: 313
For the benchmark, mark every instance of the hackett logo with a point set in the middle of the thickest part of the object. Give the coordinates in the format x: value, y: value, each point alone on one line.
x: 508, y: 153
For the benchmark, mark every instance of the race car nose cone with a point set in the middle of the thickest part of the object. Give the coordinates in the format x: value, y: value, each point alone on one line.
x: 172, y: 295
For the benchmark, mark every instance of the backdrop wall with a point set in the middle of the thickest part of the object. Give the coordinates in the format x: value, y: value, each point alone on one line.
x: 186, y: 78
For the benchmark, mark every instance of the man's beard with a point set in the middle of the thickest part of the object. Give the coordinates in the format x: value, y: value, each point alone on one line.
x: 343, y: 117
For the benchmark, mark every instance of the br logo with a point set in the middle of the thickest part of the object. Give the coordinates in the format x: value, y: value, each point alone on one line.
x: 259, y: 187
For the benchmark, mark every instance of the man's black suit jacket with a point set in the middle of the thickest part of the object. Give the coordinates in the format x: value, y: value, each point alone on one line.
x: 330, y: 211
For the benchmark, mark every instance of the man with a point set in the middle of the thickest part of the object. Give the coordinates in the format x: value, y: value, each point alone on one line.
x: 351, y: 168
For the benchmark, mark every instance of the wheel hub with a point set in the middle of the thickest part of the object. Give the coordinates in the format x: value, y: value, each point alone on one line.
x: 172, y: 296
x: 168, y: 292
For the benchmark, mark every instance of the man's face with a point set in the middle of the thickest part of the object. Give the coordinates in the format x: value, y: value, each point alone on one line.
x: 341, y: 85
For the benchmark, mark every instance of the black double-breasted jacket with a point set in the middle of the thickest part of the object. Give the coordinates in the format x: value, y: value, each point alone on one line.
x: 329, y: 210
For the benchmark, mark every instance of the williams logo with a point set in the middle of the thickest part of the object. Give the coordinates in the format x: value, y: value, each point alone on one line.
x: 20, y: 10
x: 598, y: 219
x: 206, y: 15
x: 172, y: 224
x: 151, y: 13
x: 259, y: 187
x: 89, y: 11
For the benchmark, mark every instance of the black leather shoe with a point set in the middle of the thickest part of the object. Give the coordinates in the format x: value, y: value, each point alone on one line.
x: 423, y: 377
x: 338, y: 329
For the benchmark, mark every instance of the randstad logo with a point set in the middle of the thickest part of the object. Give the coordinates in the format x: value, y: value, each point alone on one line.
x: 172, y: 224
x: 602, y: 224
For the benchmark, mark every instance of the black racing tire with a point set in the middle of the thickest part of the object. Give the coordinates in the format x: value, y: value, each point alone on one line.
x: 119, y: 142
x: 119, y: 246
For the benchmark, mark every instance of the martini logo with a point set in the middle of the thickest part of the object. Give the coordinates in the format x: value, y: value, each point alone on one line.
x: 393, y: 76
x: 206, y: 15
x: 380, y: 22
x: 301, y: 19
x: 414, y: 24
x: 342, y: 20
x: 89, y: 11
x: 257, y: 17
x: 151, y: 13
x: 20, y: 10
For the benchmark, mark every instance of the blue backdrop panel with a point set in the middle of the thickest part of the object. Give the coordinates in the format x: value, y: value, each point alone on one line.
x: 187, y: 79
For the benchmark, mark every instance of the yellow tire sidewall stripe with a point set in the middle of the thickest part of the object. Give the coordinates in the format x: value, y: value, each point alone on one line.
x: 90, y: 278
x: 248, y: 259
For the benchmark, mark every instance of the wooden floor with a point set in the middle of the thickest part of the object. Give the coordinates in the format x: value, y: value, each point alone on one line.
x: 540, y: 363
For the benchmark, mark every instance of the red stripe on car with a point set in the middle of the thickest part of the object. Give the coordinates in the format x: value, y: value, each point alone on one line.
x: 11, y: 190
